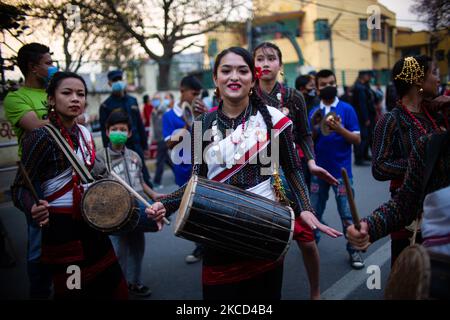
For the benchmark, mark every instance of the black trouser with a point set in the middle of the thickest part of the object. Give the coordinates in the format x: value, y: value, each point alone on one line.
x: 361, y: 148
x: 162, y: 158
x: 266, y: 286
x: 40, y: 278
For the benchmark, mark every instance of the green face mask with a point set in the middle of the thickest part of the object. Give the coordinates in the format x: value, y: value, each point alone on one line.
x: 118, y: 137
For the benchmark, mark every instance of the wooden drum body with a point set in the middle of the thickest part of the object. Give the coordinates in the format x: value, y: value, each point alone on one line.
x: 231, y: 219
x: 107, y: 206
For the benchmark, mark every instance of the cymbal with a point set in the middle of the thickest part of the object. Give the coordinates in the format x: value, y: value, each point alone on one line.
x: 323, y: 124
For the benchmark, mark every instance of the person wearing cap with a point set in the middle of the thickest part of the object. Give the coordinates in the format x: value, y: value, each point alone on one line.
x: 363, y: 103
x: 120, y: 100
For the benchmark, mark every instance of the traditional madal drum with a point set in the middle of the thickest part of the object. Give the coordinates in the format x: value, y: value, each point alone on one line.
x: 419, y: 274
x: 108, y: 207
x: 235, y: 220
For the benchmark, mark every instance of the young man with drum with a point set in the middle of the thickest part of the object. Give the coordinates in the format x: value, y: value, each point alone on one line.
x: 233, y: 159
x: 67, y: 240
x: 129, y: 244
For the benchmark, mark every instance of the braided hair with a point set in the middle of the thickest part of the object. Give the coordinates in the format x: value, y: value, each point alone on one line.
x: 254, y: 97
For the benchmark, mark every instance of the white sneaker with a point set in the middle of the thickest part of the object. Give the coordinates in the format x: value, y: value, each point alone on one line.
x: 356, y: 261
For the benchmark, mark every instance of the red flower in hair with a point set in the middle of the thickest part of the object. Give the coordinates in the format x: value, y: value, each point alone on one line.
x: 258, y: 73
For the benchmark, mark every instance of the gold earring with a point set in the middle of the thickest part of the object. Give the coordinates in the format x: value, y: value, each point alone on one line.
x: 282, y: 73
x: 216, y: 92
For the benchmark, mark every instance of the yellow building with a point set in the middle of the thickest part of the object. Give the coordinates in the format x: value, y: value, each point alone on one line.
x: 436, y: 45
x: 355, y: 47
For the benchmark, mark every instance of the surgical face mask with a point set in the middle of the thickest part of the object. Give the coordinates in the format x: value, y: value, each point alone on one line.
x: 156, y: 103
x: 118, y: 137
x: 118, y: 86
x: 166, y: 102
x: 312, y: 93
x: 328, y: 93
x: 50, y: 72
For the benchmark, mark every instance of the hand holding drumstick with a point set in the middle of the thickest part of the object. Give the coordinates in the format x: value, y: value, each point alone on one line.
x: 154, y: 211
x: 357, y: 233
x: 39, y: 210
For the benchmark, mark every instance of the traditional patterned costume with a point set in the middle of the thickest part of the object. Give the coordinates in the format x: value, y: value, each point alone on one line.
x: 292, y: 103
x: 67, y: 239
x: 413, y: 196
x: 394, y: 138
x: 226, y: 275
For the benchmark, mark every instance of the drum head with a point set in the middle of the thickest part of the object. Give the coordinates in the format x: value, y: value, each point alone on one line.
x: 186, y: 204
x: 106, y: 205
x: 410, y: 276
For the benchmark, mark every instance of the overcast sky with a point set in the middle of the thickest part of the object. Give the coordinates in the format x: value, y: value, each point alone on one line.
x: 404, y: 16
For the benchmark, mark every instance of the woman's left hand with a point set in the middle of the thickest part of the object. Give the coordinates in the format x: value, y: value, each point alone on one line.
x: 310, y: 219
x: 321, y: 173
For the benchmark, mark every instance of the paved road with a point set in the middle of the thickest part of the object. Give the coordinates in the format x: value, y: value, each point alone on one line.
x: 170, y: 278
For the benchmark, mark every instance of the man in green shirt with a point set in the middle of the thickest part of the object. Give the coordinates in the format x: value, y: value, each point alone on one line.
x: 26, y: 110
x: 26, y: 107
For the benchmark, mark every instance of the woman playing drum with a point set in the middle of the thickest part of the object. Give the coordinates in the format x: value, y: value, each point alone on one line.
x: 66, y: 238
x: 426, y: 187
x: 234, y: 160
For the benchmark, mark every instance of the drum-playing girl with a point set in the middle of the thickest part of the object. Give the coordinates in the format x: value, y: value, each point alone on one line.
x: 66, y: 238
x: 225, y: 275
x: 413, y: 197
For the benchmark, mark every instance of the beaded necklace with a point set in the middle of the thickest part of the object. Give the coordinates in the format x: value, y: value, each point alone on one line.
x: 417, y: 122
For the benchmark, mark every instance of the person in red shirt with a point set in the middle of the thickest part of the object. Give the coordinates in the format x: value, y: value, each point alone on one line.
x: 147, y: 112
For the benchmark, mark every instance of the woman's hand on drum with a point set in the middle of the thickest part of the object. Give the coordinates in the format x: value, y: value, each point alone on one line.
x: 39, y: 213
x: 310, y: 219
x: 359, y: 239
x: 156, y: 212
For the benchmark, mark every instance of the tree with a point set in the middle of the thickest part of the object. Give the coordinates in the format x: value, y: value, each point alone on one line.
x: 65, y: 21
x: 118, y: 48
x: 436, y: 13
x: 173, y: 24
x: 12, y: 20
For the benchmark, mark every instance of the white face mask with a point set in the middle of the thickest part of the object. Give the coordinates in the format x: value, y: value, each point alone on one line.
x: 312, y: 93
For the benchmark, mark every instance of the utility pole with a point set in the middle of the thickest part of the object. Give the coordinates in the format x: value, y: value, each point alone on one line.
x: 330, y: 40
x: 249, y: 35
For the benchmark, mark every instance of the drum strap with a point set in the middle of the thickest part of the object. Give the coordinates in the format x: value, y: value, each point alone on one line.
x: 434, y: 148
x: 108, y: 159
x: 79, y: 167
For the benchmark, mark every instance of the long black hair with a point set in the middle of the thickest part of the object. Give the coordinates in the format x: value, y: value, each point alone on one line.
x: 254, y: 97
x: 402, y: 86
x: 270, y: 45
x: 58, y: 77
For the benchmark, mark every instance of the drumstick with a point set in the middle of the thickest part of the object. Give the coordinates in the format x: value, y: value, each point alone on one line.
x: 29, y: 185
x: 28, y: 182
x: 134, y: 193
x: 351, y: 201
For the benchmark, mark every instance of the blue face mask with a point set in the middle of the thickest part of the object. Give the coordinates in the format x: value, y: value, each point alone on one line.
x: 118, y: 86
x: 50, y: 72
x: 156, y: 103
x: 166, y: 102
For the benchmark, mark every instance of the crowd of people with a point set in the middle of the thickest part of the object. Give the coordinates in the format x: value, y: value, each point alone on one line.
x: 316, y: 131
